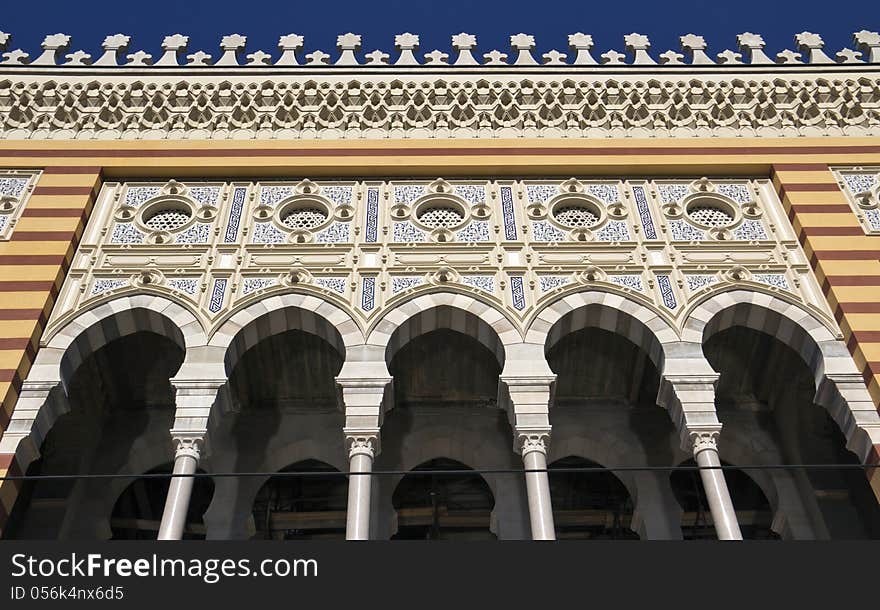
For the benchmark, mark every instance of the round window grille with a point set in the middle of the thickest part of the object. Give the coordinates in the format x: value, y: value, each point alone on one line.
x: 304, y: 218
x: 168, y: 219
x: 710, y: 215
x: 575, y: 216
x: 445, y: 216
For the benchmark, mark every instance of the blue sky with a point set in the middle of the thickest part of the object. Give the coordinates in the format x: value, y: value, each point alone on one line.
x: 147, y: 21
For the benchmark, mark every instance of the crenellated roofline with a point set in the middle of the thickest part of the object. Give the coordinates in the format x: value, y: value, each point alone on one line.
x: 809, y: 51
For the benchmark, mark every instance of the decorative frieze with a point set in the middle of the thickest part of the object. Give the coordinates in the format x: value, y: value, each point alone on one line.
x: 519, y: 244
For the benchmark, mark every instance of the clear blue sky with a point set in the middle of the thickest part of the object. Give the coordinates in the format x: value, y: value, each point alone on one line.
x: 147, y: 21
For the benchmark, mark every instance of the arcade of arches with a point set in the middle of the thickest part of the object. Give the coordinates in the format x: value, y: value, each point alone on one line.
x: 601, y: 448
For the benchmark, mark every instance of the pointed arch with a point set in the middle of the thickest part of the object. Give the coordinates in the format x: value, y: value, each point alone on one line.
x: 458, y: 312
x: 608, y: 311
x: 279, y: 313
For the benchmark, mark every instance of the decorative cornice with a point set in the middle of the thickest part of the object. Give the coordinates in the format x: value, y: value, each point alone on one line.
x: 811, y: 45
x: 406, y: 105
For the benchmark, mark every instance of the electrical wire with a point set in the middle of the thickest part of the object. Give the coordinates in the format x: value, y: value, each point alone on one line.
x: 467, y: 472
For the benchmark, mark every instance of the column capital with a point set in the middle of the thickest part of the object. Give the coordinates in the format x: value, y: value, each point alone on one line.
x: 361, y: 442
x: 527, y: 440
x: 188, y: 444
x: 702, y: 438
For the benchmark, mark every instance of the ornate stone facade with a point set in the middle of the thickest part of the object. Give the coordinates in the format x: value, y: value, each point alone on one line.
x: 365, y: 265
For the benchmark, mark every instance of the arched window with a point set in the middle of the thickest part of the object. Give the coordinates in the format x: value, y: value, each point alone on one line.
x: 304, y: 507
x: 443, y: 506
x: 753, y: 511
x: 138, y: 511
x: 589, y: 505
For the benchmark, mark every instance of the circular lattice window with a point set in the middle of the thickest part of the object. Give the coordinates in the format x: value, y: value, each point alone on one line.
x: 441, y: 216
x: 168, y: 218
x: 306, y: 218
x: 575, y: 216
x: 710, y: 214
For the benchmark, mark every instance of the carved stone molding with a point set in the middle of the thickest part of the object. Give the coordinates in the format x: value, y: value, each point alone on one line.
x: 378, y: 107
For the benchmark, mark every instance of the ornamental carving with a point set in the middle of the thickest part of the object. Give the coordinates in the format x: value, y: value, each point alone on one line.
x: 380, y: 254
x: 494, y: 105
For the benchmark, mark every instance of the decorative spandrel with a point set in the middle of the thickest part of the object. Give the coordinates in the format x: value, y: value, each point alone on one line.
x: 862, y: 188
x: 15, y: 189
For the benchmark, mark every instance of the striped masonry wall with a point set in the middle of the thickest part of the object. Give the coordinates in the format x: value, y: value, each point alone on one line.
x: 845, y: 260
x: 34, y: 262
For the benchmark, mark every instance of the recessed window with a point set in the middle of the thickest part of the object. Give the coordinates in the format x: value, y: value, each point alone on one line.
x: 304, y: 218
x: 441, y: 216
x: 710, y: 215
x: 168, y: 219
x: 575, y: 216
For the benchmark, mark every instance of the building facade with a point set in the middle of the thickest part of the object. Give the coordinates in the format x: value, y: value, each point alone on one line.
x: 422, y: 296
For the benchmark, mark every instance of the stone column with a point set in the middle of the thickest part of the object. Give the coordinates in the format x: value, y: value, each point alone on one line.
x: 195, y: 396
x: 363, y: 400
x: 705, y: 446
x: 186, y: 460
x: 527, y: 400
x: 534, y: 445
x: 690, y: 401
x: 362, y: 448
